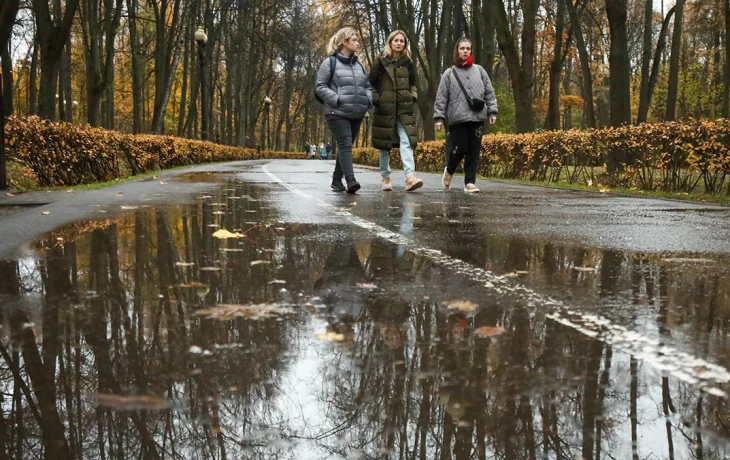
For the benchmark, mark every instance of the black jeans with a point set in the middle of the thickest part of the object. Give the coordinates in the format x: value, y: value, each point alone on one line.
x: 345, y: 131
x: 465, y: 143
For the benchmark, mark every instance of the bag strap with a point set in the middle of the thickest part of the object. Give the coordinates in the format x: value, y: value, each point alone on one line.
x: 333, y: 63
x: 458, y: 80
x: 411, y: 73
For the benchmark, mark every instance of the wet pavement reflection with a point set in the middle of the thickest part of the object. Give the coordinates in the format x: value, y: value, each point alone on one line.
x: 146, y: 336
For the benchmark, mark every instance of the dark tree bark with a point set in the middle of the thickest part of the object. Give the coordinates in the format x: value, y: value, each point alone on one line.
x: 52, y: 38
x: 521, y: 70
x: 726, y: 76
x: 65, y: 91
x: 33, y: 80
x: 167, y: 42
x: 619, y: 65
x: 552, y: 121
x: 7, y: 66
x: 673, y: 84
x: 8, y: 12
x: 646, y: 59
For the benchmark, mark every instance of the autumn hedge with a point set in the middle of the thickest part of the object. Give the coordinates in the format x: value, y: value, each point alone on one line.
x: 684, y: 156
x: 72, y: 154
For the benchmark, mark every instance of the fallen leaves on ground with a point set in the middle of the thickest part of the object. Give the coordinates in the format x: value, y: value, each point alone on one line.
x: 134, y: 402
x: 45, y: 213
x: 223, y: 234
x: 489, y: 331
x: 330, y: 337
x: 9, y: 194
x: 250, y: 311
x: 463, y: 305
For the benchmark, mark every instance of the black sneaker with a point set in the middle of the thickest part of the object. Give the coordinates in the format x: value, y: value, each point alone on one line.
x: 337, y: 185
x: 352, y: 185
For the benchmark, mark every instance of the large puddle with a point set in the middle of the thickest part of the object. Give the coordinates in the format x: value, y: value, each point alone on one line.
x: 145, y: 336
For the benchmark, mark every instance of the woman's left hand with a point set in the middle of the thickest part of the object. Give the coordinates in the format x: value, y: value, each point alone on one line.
x: 492, y: 120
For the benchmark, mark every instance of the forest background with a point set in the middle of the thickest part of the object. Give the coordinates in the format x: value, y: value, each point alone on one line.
x: 134, y: 66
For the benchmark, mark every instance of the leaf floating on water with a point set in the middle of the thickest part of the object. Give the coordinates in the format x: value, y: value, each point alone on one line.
x: 141, y: 402
x: 367, y: 286
x: 130, y: 207
x: 463, y: 305
x: 260, y: 262
x: 277, y: 282
x: 489, y: 331
x: 330, y: 337
x: 184, y: 264
x: 250, y: 311
x: 45, y: 213
x: 223, y: 234
x: 585, y: 269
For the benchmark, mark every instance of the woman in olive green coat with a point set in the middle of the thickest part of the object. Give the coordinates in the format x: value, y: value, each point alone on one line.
x: 393, y: 79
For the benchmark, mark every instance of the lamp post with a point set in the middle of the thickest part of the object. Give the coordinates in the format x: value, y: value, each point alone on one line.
x: 75, y: 109
x: 267, y: 134
x: 202, y: 39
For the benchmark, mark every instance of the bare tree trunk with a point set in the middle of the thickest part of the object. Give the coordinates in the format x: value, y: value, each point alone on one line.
x: 66, y: 92
x: 656, y: 64
x: 552, y: 121
x: 136, y: 68
x: 646, y: 60
x: 167, y: 53
x: 726, y: 75
x: 673, y: 84
x: 52, y: 38
x: 8, y: 12
x: 7, y: 66
x: 619, y: 65
x: 521, y: 69
x: 33, y: 79
x: 185, y: 77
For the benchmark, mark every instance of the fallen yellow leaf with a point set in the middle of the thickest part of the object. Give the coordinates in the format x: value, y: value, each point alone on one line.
x: 330, y: 336
x: 223, y: 234
x: 45, y: 213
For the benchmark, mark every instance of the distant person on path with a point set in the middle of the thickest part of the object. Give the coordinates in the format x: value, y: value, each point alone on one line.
x: 465, y: 98
x: 322, y: 151
x: 344, y: 89
x: 307, y: 150
x: 393, y: 79
x: 329, y: 149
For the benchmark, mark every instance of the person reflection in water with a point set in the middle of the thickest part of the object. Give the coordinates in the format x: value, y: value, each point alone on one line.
x: 338, y: 288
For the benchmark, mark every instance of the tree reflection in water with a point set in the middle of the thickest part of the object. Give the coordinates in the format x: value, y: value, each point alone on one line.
x: 109, y: 308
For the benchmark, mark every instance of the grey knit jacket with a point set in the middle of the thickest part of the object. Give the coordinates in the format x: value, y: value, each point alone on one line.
x: 349, y: 94
x: 451, y: 104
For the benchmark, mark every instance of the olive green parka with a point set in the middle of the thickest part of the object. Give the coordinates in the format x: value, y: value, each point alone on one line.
x: 394, y: 97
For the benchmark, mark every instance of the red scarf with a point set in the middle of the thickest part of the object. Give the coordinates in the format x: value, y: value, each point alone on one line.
x: 469, y: 61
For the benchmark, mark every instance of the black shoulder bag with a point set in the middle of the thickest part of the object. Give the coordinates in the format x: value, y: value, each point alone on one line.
x: 476, y: 104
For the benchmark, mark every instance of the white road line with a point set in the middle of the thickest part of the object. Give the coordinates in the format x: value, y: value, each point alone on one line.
x: 679, y: 364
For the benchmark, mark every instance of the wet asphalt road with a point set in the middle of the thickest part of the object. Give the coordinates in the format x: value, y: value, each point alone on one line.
x: 521, y: 322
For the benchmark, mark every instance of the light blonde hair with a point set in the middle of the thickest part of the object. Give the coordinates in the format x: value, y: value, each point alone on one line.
x: 388, y: 50
x: 339, y: 38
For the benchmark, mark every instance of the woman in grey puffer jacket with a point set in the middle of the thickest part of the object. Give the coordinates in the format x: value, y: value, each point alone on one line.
x: 465, y: 124
x: 346, y: 96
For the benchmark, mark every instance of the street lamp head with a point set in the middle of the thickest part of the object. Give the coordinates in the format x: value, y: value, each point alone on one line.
x: 200, y: 36
x: 267, y: 101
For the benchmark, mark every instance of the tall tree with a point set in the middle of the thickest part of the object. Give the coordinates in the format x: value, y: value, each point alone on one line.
x: 726, y: 77
x: 673, y: 85
x: 619, y: 63
x: 645, y: 102
x: 166, y: 55
x: 521, y: 70
x: 52, y: 36
x: 589, y: 112
x: 8, y: 12
x: 646, y: 56
x: 552, y: 121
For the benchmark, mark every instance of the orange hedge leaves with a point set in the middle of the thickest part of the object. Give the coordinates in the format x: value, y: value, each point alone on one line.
x: 671, y: 157
x: 71, y: 154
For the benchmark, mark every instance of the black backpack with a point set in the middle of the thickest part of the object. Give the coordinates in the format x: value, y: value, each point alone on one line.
x: 333, y: 63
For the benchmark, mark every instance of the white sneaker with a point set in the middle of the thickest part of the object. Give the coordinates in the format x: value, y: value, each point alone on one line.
x: 471, y: 188
x: 446, y: 180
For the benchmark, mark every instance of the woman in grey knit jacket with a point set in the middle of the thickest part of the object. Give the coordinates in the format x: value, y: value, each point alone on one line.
x: 344, y: 89
x: 465, y: 99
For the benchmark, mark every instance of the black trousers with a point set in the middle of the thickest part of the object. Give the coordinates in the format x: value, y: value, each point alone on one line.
x: 465, y: 143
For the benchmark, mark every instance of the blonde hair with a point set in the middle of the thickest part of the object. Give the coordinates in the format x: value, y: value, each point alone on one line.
x: 388, y: 50
x: 339, y: 39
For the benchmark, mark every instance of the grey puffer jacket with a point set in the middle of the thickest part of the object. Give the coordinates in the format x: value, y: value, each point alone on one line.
x: 349, y: 94
x: 452, y: 105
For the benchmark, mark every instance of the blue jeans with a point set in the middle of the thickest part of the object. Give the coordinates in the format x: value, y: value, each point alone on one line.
x: 406, y: 154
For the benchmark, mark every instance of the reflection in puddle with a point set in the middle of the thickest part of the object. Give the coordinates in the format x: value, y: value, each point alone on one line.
x: 147, y: 337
